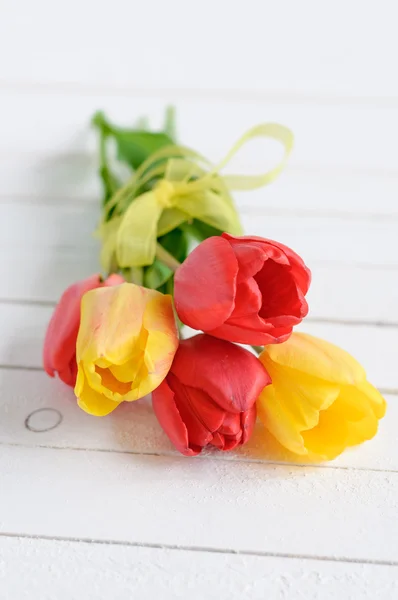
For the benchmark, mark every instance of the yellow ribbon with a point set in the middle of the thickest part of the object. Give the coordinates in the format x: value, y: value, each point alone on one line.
x: 185, y: 186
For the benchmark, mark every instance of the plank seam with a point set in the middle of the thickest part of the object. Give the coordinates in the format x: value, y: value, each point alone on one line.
x: 247, y: 208
x: 206, y: 549
x: 6, y: 367
x: 172, y: 454
x: 230, y: 95
x: 327, y: 320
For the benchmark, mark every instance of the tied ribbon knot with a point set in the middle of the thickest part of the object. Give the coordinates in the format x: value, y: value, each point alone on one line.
x: 164, y: 191
x: 184, y: 186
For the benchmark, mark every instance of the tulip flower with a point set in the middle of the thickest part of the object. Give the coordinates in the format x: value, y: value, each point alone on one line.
x: 125, y: 346
x: 319, y: 402
x: 59, y: 353
x: 209, y: 395
x: 242, y: 289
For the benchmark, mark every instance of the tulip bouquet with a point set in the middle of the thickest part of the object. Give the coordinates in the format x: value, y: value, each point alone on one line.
x: 173, y: 254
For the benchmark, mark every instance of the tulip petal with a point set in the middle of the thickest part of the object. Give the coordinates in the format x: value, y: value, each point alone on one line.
x: 170, y: 419
x: 229, y: 374
x: 269, y: 249
x: 319, y: 402
x: 248, y: 299
x: 280, y: 294
x: 207, y: 411
x: 205, y: 285
x: 60, y: 340
x: 184, y: 398
x: 348, y: 422
x: 91, y: 401
x: 376, y: 400
x: 248, y: 421
x: 250, y: 258
x: 162, y: 342
x: 230, y: 425
x: 244, y: 335
x: 277, y: 252
x: 317, y: 357
x: 126, y: 342
x: 292, y: 404
x: 301, y: 273
x: 226, y: 442
x: 114, y: 279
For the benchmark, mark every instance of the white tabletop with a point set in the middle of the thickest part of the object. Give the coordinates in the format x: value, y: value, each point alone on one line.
x: 105, y: 508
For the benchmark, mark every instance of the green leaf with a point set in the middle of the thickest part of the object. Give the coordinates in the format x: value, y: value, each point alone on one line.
x: 135, y: 146
x: 175, y: 242
x: 110, y: 182
x: 156, y: 275
x: 199, y: 230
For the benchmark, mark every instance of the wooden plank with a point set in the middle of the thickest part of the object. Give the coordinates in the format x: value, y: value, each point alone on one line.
x: 341, y: 292
x: 23, y: 328
x: 67, y: 178
x: 252, y: 55
x: 40, y: 275
x: 133, y: 428
x: 53, y: 569
x: 208, y: 503
x: 323, y: 240
x: 354, y: 137
x: 320, y: 240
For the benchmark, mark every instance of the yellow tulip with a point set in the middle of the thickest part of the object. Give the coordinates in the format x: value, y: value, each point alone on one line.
x: 319, y: 402
x: 125, y: 346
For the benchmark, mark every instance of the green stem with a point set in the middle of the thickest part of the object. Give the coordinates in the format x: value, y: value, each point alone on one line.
x: 258, y: 349
x: 166, y: 258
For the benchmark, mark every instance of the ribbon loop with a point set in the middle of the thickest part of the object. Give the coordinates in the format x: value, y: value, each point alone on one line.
x: 184, y: 186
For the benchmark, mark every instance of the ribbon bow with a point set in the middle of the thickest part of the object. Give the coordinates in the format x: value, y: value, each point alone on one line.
x: 175, y: 185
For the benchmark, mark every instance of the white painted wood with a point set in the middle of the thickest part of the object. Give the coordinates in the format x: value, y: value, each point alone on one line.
x: 323, y: 240
x: 202, y: 503
x: 40, y: 274
x: 23, y: 328
x: 341, y: 48
x: 62, y: 179
x: 133, y: 428
x: 53, y: 569
x: 325, y: 135
x: 341, y: 292
x: 300, y: 64
x: 319, y: 240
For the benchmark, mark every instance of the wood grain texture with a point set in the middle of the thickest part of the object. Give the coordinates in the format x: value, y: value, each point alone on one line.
x: 24, y: 327
x: 326, y: 136
x: 133, y: 428
x: 201, y: 503
x: 343, y: 292
x: 297, y: 54
x: 360, y: 194
x: 320, y: 240
x: 53, y: 569
x: 241, y: 520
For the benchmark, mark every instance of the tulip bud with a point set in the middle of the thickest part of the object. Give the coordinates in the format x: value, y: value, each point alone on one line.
x: 242, y: 289
x: 209, y: 395
x: 59, y: 352
x: 125, y: 346
x: 319, y: 402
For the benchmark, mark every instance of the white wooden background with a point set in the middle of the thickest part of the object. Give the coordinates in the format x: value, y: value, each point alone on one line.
x: 104, y: 508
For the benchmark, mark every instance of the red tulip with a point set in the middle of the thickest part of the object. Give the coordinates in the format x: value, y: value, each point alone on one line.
x: 209, y: 395
x: 59, y: 352
x: 242, y: 289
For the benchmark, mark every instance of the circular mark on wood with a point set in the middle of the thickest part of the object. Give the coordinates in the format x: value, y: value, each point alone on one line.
x: 43, y: 419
